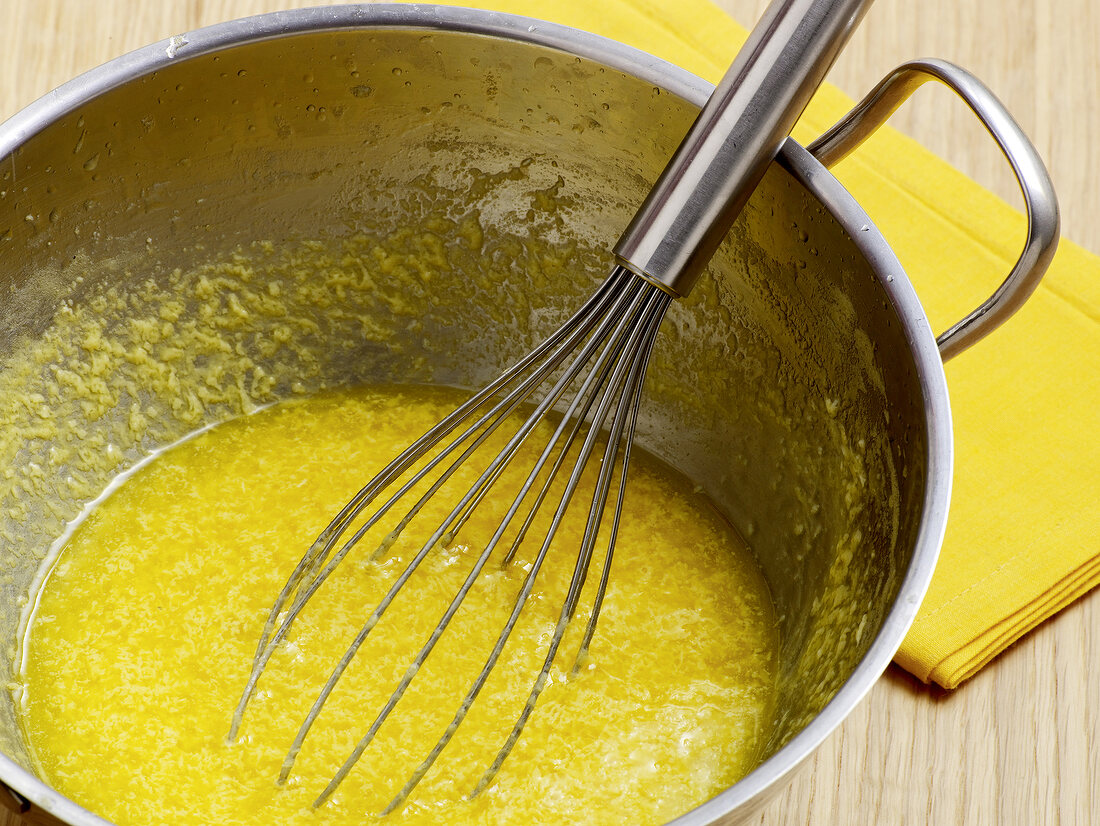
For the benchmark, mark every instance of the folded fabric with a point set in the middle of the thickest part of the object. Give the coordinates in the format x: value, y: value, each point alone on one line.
x: 1022, y: 536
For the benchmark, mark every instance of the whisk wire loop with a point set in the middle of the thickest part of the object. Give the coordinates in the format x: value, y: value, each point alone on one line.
x: 620, y: 395
x: 621, y: 344
x: 612, y: 334
x: 629, y: 293
x: 555, y: 349
x: 628, y: 442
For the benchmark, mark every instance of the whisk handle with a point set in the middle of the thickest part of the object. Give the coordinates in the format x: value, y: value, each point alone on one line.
x: 737, y: 134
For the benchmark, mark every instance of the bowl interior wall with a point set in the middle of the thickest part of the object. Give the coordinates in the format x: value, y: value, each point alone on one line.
x: 783, y: 384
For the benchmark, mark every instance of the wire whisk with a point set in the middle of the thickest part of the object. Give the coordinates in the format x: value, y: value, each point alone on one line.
x: 586, y: 379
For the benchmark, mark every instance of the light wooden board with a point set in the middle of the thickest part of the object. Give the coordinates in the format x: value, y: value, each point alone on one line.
x: 1018, y: 744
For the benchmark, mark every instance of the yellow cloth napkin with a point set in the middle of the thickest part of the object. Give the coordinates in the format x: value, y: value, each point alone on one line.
x: 1022, y: 536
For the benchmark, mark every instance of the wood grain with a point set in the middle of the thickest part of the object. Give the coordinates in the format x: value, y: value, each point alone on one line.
x: 1019, y: 743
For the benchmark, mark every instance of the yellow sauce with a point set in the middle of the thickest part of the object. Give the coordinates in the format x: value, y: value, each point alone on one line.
x: 144, y: 633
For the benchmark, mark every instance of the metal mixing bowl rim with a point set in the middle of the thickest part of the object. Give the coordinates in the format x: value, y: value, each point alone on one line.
x: 666, y: 76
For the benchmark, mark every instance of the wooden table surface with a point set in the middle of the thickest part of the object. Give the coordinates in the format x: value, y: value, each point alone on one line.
x: 1020, y: 742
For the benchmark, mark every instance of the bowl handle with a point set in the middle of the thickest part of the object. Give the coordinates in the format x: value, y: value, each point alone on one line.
x: 1035, y: 184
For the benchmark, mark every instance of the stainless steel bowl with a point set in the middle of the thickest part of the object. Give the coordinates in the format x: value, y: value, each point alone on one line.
x: 800, y: 384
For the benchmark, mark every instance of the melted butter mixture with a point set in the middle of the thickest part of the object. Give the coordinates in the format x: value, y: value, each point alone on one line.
x: 144, y: 633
